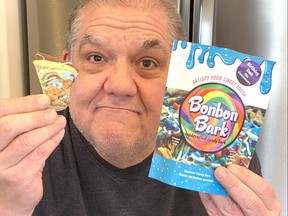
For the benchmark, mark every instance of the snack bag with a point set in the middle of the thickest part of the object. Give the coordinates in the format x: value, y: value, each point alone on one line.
x: 56, y: 78
x: 213, y: 110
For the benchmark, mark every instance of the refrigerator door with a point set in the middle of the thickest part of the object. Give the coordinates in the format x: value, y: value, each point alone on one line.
x: 203, y: 21
x: 260, y: 28
x: 46, y: 31
x: 185, y: 9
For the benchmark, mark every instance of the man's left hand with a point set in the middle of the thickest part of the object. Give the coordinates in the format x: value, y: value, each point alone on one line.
x: 249, y: 194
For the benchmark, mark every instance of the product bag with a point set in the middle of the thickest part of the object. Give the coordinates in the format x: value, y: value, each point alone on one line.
x: 213, y: 110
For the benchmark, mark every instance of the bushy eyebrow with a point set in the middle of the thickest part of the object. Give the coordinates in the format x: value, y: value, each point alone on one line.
x: 97, y: 42
x: 92, y: 40
x: 154, y: 43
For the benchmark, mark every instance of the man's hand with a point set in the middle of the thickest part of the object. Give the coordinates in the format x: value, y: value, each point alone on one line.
x: 249, y: 194
x: 29, y: 132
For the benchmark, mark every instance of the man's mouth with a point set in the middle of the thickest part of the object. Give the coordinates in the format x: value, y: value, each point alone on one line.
x: 118, y: 109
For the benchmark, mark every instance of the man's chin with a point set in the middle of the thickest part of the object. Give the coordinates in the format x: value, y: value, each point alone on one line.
x: 117, y: 128
x: 113, y: 147
x: 119, y: 145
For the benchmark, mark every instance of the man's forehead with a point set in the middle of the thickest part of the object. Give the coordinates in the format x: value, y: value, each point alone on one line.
x: 125, y: 17
x: 102, y: 41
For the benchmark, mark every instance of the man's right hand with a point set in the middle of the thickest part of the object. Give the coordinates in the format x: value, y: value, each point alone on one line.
x: 29, y: 132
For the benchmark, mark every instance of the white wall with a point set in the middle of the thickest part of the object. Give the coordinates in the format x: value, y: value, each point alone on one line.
x: 11, y: 53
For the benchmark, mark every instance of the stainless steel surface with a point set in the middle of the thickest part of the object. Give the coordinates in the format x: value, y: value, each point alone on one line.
x: 260, y: 28
x: 196, y: 22
x: 184, y: 8
x: 46, y: 30
x: 185, y: 11
x: 207, y: 22
x: 250, y: 26
x: 203, y: 21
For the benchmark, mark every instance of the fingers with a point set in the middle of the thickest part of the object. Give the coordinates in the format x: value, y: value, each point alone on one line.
x: 33, y: 163
x: 258, y: 185
x: 220, y: 205
x: 29, y: 132
x: 13, y: 125
x: 23, y: 104
x: 245, y: 191
x: 18, y: 115
x: 249, y: 194
x: 29, y: 142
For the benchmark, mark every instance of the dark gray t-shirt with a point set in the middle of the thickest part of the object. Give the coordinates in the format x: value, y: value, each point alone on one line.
x: 78, y: 182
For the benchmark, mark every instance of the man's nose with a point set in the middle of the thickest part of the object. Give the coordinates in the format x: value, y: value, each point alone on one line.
x: 121, y: 79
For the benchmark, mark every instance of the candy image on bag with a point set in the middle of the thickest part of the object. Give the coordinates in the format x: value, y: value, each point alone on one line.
x: 56, y: 78
x: 212, y: 113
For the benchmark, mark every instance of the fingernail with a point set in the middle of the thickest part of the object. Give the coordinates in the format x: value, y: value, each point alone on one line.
x: 50, y: 115
x: 233, y: 169
x: 221, y: 173
x: 43, y: 100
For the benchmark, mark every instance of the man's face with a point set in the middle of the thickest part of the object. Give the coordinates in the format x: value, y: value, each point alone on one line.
x: 122, y: 56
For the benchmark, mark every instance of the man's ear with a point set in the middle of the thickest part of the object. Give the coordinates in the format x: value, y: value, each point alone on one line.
x: 66, y: 55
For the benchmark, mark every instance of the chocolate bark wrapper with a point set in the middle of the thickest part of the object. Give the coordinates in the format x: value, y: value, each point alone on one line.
x: 56, y: 78
x: 212, y: 114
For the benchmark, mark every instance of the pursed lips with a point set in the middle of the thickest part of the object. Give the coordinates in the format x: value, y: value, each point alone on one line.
x: 116, y: 108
